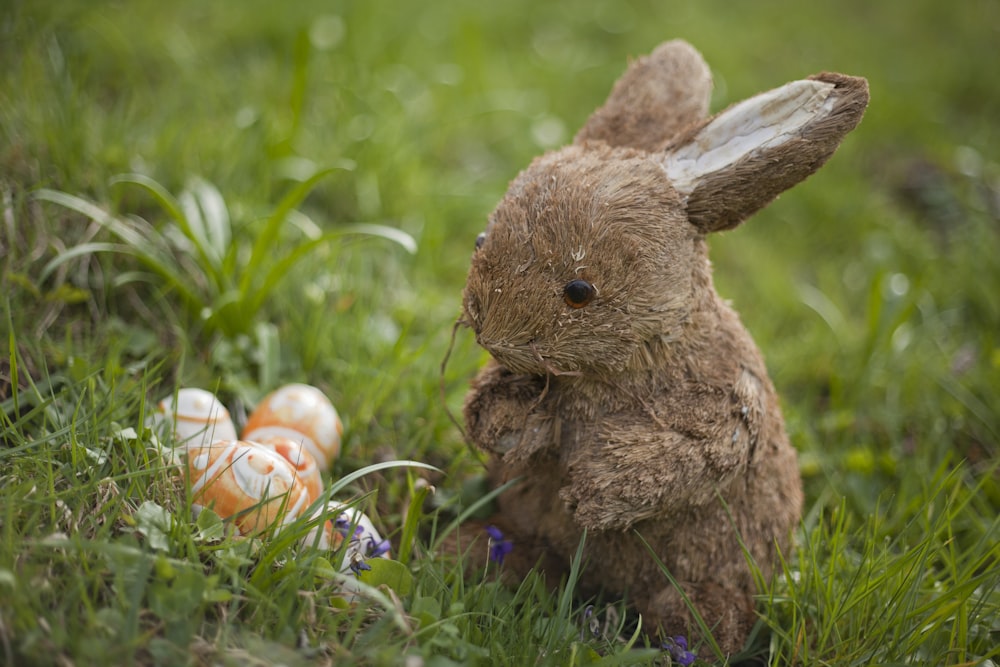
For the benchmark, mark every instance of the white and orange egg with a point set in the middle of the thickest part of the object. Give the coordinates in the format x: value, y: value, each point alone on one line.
x: 254, y: 485
x: 295, y: 453
x: 301, y: 413
x: 195, y: 417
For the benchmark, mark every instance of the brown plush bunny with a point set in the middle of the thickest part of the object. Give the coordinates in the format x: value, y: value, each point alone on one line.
x: 623, y: 392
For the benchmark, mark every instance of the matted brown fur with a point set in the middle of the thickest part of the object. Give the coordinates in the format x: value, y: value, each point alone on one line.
x: 647, y: 411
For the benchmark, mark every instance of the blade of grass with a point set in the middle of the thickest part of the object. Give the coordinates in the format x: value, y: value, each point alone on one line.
x: 130, y: 235
x: 213, y: 215
x: 81, y: 250
x: 346, y: 480
x: 145, y: 247
x: 470, y: 511
x: 177, y: 211
x: 706, y: 633
x: 393, y: 234
x: 166, y: 200
x: 414, y: 512
x: 263, y: 247
x: 281, y: 267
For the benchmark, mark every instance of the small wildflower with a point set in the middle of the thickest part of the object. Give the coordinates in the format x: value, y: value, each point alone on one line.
x: 499, y: 547
x: 678, y: 648
x: 376, y: 549
x: 358, y: 564
x: 342, y: 524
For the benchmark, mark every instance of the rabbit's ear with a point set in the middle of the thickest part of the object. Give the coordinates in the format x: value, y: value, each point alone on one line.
x: 741, y: 159
x: 656, y: 96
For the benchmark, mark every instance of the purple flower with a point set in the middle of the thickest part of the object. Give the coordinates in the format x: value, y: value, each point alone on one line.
x: 376, y: 549
x: 677, y: 646
x: 499, y: 547
x: 342, y: 524
x: 358, y: 564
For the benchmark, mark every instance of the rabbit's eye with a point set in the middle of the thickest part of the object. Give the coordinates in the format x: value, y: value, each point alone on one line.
x: 480, y: 240
x: 578, y: 293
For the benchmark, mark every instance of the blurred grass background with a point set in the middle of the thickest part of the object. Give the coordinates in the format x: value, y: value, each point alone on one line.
x: 872, y: 288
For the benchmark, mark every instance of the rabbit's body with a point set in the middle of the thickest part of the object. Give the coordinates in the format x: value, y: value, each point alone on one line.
x: 626, y: 396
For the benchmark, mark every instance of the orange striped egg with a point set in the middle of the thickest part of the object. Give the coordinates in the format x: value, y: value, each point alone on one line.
x: 304, y: 463
x: 301, y: 413
x: 195, y: 416
x: 252, y: 484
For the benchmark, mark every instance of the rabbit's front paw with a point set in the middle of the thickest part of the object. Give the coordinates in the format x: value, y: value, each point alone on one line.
x: 536, y: 435
x: 597, y: 510
x: 496, y: 423
x: 503, y: 414
x: 507, y: 442
x: 503, y: 429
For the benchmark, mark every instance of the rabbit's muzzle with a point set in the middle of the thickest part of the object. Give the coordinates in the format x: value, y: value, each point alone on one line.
x: 517, y: 357
x: 497, y: 345
x: 509, y: 334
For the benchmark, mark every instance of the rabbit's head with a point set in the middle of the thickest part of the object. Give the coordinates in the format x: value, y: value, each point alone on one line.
x: 598, y: 249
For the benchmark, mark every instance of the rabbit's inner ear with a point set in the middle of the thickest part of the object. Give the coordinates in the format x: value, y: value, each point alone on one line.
x: 761, y: 123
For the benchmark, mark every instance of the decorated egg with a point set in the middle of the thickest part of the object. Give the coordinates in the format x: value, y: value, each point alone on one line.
x: 255, y: 486
x: 301, y: 413
x: 300, y: 458
x: 195, y: 416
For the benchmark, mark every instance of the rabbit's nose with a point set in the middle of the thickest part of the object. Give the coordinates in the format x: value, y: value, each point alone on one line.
x: 487, y: 342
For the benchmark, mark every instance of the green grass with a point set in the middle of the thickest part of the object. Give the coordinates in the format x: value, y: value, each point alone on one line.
x: 872, y: 290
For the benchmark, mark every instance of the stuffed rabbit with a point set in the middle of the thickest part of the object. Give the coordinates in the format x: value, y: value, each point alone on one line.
x: 623, y: 393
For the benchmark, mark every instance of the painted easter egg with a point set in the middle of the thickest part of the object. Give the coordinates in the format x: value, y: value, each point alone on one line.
x: 251, y: 484
x: 300, y: 458
x: 195, y: 417
x: 301, y: 413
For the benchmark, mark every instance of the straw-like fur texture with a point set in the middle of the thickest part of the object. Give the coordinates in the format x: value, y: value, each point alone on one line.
x: 641, y: 407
